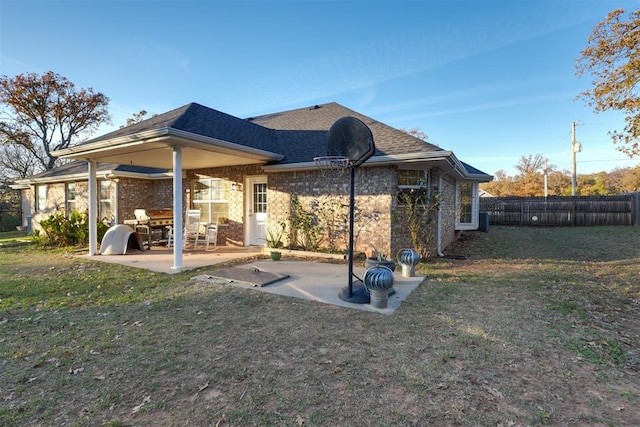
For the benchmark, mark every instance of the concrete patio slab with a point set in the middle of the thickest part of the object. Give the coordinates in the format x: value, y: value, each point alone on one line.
x: 318, y: 281
x: 160, y: 259
x: 305, y: 279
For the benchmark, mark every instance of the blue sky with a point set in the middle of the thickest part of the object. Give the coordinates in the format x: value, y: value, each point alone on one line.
x: 490, y: 80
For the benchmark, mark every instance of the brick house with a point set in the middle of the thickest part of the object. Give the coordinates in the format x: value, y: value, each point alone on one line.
x: 245, y: 174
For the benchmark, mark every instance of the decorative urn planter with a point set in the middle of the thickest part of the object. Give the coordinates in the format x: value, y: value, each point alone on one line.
x: 378, y: 281
x: 275, y: 255
x: 408, y: 259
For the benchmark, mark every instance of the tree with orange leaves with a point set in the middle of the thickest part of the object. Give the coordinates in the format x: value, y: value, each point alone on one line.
x: 45, y: 113
x: 612, y: 58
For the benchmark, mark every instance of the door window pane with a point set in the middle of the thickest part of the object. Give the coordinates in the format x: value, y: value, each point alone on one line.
x: 260, y: 198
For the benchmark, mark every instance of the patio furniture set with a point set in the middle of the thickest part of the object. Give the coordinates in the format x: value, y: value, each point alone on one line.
x: 156, y: 226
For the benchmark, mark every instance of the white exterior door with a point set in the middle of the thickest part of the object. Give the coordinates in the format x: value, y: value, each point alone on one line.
x: 256, y: 210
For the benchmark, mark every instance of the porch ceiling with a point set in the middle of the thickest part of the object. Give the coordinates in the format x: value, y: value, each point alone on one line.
x: 156, y: 150
x: 160, y: 155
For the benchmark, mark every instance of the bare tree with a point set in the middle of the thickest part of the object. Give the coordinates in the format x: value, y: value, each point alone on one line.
x: 137, y: 118
x: 16, y: 162
x: 418, y: 133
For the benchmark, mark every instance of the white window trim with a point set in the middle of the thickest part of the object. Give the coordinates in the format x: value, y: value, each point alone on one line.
x: 211, y: 200
x: 475, y: 207
x: 67, y: 200
x: 108, y: 201
x: 426, y: 183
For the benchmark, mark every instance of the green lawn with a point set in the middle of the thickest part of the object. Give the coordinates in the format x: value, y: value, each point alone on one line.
x: 14, y: 236
x: 524, y: 326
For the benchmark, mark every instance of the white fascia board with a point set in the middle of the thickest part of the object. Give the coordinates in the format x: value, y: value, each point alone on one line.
x: 110, y: 174
x: 19, y: 185
x: 479, y: 178
x: 171, y: 137
x: 140, y: 137
x: 394, y: 159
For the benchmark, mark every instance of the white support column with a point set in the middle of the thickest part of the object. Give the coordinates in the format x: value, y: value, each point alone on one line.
x: 93, y: 209
x: 177, y: 208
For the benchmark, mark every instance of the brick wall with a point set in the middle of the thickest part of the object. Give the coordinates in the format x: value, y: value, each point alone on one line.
x: 448, y: 210
x: 55, y: 203
x: 232, y: 232
x: 142, y: 194
x: 374, y: 202
x: 373, y: 189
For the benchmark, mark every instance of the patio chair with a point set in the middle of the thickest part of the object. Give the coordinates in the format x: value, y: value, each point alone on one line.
x: 192, y: 228
x: 169, y: 236
x: 211, y: 235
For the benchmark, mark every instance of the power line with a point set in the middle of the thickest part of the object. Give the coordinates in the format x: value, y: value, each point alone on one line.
x: 610, y: 160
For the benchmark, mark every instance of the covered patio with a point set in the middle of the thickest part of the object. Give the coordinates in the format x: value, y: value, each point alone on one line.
x: 163, y: 142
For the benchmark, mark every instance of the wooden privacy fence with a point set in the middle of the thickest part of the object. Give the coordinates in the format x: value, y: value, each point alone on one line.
x: 572, y: 211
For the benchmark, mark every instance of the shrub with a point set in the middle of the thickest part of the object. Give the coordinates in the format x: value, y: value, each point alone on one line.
x: 60, y: 230
x: 418, y: 212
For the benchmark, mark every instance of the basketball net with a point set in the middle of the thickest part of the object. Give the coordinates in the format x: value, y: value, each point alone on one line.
x: 332, y: 166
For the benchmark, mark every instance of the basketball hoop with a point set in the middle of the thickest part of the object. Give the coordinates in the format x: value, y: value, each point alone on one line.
x: 349, y: 144
x: 332, y: 166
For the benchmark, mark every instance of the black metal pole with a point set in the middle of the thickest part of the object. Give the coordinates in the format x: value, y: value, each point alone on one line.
x: 356, y: 294
x: 351, y: 215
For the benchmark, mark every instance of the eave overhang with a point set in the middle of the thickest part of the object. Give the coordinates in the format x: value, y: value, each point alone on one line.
x: 22, y: 184
x: 154, y: 148
x: 442, y: 159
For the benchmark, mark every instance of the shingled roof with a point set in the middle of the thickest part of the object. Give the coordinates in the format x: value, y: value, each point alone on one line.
x: 302, y: 133
x: 201, y: 120
x: 299, y: 135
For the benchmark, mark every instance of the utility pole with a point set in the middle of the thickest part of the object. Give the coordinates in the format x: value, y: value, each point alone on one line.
x: 546, y: 185
x: 575, y: 148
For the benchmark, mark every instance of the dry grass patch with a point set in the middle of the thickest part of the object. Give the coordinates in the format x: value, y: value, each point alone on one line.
x: 522, y: 332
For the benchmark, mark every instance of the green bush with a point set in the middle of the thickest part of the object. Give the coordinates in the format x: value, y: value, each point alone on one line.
x: 62, y: 230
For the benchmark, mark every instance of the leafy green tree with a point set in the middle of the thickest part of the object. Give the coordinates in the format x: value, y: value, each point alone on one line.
x: 45, y: 113
x: 612, y: 58
x: 594, y: 185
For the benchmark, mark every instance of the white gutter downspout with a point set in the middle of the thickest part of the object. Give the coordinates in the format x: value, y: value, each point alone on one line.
x: 439, y: 226
x: 177, y: 208
x: 93, y: 209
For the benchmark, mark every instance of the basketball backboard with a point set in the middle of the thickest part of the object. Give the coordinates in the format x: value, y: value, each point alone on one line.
x: 349, y: 137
